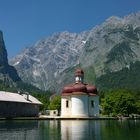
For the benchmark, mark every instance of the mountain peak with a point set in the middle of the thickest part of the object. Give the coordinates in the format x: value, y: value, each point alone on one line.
x: 1, y: 34
x: 3, y: 51
x: 108, y: 47
x: 7, y: 72
x: 133, y: 18
x: 114, y: 19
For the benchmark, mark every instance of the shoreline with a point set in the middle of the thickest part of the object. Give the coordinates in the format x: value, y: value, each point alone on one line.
x: 44, y: 117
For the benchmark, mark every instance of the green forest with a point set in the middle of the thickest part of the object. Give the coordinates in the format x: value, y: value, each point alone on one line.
x: 120, y: 102
x: 128, y: 78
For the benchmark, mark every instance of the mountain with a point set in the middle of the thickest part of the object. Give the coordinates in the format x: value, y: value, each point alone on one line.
x: 44, y: 62
x: 9, y: 78
x: 8, y: 74
x: 103, y: 51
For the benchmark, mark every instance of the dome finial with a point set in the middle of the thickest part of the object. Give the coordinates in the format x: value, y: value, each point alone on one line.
x: 79, y: 75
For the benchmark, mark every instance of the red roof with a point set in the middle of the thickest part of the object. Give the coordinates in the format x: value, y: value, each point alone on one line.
x: 79, y: 88
x: 91, y: 89
x: 68, y: 89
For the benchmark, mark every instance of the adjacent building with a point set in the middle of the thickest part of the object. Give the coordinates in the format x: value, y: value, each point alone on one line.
x: 18, y: 105
x: 79, y: 99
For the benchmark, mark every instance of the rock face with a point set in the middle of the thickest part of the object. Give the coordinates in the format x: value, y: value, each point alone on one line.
x: 113, y: 45
x: 43, y: 63
x: 8, y: 74
x: 3, y: 52
x: 107, y: 48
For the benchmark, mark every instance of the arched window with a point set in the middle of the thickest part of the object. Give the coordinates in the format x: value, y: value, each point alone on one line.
x: 92, y: 103
x: 67, y: 104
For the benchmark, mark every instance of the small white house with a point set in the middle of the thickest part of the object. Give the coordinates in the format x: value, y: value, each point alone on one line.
x: 79, y: 99
x: 51, y: 112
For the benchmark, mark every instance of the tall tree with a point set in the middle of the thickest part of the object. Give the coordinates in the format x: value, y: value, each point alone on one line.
x: 119, y: 102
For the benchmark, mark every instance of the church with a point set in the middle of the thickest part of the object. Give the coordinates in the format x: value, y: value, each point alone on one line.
x: 79, y: 99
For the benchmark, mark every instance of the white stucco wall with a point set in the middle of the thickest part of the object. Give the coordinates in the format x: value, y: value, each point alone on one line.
x: 94, y: 111
x: 65, y: 111
x: 79, y: 105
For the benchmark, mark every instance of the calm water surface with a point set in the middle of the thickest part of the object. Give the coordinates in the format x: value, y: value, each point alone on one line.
x: 70, y: 130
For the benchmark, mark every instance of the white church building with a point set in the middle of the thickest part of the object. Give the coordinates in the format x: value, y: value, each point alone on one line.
x: 79, y: 99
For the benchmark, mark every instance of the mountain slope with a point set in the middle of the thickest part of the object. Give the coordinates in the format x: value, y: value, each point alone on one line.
x: 8, y: 74
x: 128, y: 78
x: 43, y: 63
x: 107, y: 48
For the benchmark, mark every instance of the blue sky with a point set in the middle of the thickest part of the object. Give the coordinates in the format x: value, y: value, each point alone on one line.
x: 24, y: 22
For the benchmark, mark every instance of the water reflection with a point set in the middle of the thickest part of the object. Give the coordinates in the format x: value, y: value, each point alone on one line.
x: 80, y: 130
x: 120, y: 130
x: 18, y: 130
x: 70, y: 130
x: 49, y: 130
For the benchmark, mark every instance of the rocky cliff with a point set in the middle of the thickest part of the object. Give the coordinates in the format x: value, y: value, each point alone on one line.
x: 107, y: 48
x: 8, y: 74
x: 44, y: 62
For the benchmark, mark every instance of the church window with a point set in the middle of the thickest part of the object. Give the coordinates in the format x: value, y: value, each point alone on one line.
x: 92, y: 103
x: 67, y: 103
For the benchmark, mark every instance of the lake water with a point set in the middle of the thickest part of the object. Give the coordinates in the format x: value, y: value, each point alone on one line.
x: 70, y: 130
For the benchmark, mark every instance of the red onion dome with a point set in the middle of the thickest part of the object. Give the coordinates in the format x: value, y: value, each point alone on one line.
x: 80, y: 88
x: 68, y: 89
x: 91, y: 89
x: 79, y: 72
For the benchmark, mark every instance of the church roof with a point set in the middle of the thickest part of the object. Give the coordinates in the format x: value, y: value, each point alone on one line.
x: 16, y: 97
x: 79, y: 88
